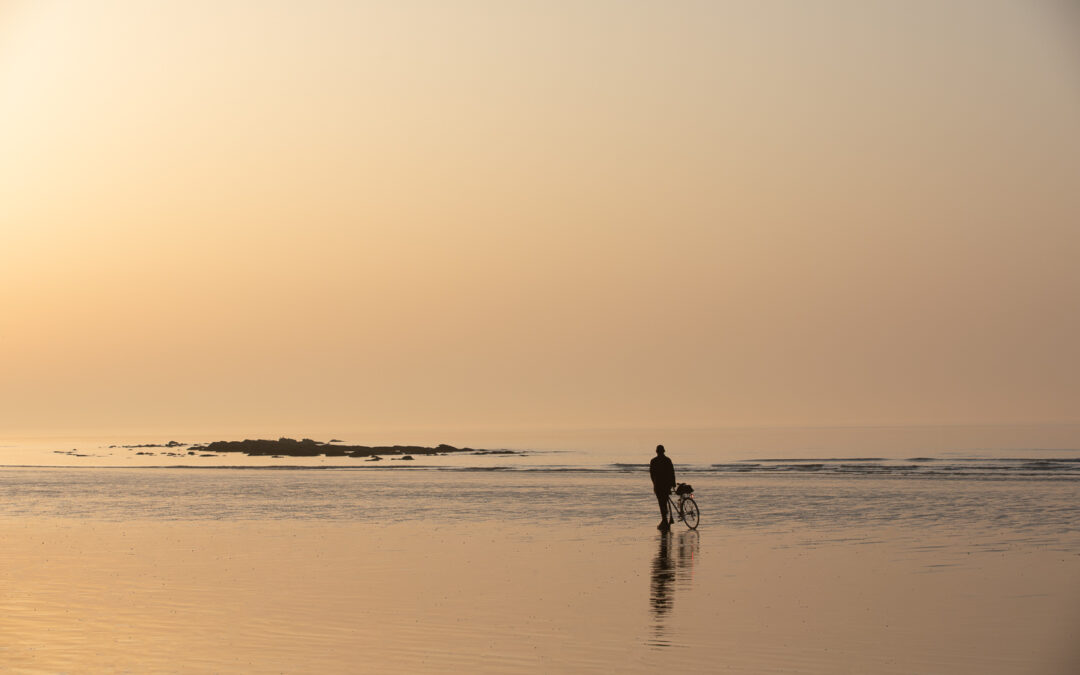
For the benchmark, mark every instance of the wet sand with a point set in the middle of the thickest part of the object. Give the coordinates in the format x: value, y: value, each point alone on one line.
x: 476, y: 592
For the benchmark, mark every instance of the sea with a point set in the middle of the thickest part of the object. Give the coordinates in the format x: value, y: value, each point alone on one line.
x: 1013, y: 450
x: 819, y: 550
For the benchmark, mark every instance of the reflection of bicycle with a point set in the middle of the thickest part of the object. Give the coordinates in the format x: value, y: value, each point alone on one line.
x: 681, y: 505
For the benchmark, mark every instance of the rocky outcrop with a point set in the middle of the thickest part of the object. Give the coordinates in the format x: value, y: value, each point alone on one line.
x: 307, y: 447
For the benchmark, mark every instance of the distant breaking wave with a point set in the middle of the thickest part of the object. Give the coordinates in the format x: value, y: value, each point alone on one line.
x: 978, y: 467
x: 985, y: 468
x: 917, y: 467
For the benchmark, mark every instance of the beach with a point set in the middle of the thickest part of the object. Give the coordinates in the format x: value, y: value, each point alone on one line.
x: 256, y: 570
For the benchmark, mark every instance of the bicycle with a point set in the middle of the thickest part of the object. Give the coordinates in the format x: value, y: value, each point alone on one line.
x: 686, y: 508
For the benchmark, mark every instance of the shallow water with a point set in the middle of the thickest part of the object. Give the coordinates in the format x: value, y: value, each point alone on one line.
x: 194, y: 570
x: 1023, y: 507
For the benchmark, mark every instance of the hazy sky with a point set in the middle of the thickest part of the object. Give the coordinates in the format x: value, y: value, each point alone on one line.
x: 259, y: 215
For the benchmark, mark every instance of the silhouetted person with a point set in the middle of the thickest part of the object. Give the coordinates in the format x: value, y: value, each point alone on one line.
x: 662, y: 472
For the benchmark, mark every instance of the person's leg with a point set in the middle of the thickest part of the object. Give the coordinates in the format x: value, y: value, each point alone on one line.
x: 661, y: 498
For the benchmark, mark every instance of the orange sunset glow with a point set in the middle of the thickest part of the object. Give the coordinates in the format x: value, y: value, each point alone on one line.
x: 486, y: 214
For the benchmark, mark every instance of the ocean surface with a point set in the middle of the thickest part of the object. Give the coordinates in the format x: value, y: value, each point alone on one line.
x: 1005, y: 511
x: 1006, y: 450
x: 875, y: 551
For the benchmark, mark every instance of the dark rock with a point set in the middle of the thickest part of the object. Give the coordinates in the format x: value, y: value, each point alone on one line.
x: 282, y: 446
x: 309, y: 448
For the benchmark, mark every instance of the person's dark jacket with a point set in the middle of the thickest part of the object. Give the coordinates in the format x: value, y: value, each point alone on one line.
x: 662, y: 472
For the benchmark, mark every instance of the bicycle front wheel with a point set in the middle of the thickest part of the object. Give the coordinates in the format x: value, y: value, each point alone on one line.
x: 690, y: 513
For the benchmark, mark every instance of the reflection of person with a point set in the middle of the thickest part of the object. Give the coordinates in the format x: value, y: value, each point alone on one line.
x: 671, y: 567
x: 662, y: 472
x: 663, y: 573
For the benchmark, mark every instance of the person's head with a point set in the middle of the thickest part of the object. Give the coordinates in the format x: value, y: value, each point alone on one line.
x: 659, y: 449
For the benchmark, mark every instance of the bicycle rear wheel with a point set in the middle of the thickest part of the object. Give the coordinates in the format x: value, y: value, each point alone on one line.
x: 690, y: 513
